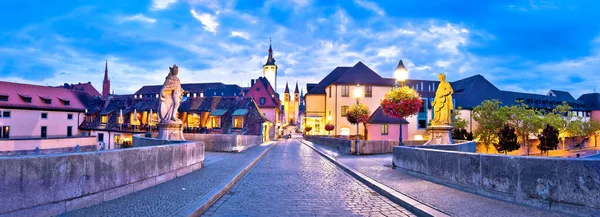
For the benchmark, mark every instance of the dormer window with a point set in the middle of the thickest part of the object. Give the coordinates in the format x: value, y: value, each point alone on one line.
x: 157, y: 95
x: 195, y: 94
x: 135, y: 96
x: 46, y: 100
x: 65, y: 102
x: 201, y: 94
x: 3, y: 97
x: 103, y: 119
x: 25, y: 98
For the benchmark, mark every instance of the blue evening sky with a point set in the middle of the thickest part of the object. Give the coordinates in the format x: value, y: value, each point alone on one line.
x: 519, y: 45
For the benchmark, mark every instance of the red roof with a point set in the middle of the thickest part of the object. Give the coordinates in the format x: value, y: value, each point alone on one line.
x: 85, y: 87
x: 60, y: 99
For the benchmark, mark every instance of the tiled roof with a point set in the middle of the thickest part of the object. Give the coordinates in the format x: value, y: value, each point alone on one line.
x: 270, y: 59
x: 60, y: 99
x: 330, y: 78
x: 209, y: 89
x: 360, y: 74
x: 591, y: 100
x: 378, y: 117
x: 85, y: 87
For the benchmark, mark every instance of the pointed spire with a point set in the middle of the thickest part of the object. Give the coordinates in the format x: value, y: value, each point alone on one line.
x: 106, y: 71
x: 270, y: 59
x: 287, y: 89
x: 296, y: 90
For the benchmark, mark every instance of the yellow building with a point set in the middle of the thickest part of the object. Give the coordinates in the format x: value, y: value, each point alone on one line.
x: 291, y: 106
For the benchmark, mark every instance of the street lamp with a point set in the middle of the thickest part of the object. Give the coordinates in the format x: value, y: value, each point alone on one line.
x: 401, y: 74
x: 357, y: 94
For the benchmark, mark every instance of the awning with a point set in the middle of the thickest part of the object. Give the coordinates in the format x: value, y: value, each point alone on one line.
x: 240, y: 112
x: 218, y: 112
x: 46, y: 97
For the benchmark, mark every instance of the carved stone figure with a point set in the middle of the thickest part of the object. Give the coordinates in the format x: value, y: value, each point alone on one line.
x: 442, y: 104
x: 170, y: 97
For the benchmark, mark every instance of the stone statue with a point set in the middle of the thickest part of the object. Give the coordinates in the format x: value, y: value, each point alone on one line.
x: 170, y: 97
x: 442, y: 104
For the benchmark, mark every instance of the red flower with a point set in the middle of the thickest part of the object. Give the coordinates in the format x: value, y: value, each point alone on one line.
x: 401, y: 102
x: 358, y: 114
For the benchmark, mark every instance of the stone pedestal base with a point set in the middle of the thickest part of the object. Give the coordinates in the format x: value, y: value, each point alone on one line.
x: 440, y: 135
x: 170, y: 131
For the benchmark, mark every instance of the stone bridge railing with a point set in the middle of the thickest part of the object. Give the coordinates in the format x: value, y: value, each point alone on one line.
x: 561, y: 184
x: 47, y: 185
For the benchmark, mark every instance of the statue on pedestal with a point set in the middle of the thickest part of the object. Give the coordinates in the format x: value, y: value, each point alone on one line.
x: 440, y: 131
x: 170, y: 97
x: 170, y: 127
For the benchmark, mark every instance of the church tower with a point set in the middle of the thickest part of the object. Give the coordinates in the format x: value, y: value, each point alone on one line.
x: 270, y: 69
x: 296, y: 103
x: 106, y: 82
x: 287, y: 105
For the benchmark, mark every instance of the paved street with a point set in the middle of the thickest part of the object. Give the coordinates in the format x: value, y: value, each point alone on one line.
x: 294, y: 180
x: 447, y: 199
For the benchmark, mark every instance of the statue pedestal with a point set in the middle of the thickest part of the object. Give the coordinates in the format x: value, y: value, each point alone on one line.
x: 440, y: 135
x: 170, y: 131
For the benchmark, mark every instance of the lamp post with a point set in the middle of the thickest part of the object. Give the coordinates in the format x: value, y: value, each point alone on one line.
x: 357, y: 94
x: 401, y: 74
x: 328, y: 122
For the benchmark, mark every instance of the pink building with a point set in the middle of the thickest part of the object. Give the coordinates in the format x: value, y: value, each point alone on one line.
x: 267, y: 100
x: 383, y: 127
x: 39, y: 112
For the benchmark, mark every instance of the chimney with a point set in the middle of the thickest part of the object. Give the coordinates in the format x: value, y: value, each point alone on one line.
x: 251, y: 82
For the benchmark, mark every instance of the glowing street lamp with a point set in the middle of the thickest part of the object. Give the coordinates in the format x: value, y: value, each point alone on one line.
x: 401, y: 74
x: 358, y: 92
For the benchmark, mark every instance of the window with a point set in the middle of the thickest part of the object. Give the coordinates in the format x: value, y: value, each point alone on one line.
x: 201, y: 94
x: 100, y: 137
x: 422, y: 115
x: 257, y: 89
x: 6, y: 114
x: 26, y: 99
x: 69, y: 116
x: 4, y: 98
x: 345, y: 91
x: 384, y: 129
x: 195, y: 94
x: 47, y: 101
x: 238, y: 122
x: 44, y: 115
x: 344, y: 110
x: 215, y: 121
x: 103, y: 119
x: 329, y: 91
x: 69, y: 131
x: 44, y: 131
x: 262, y: 101
x: 368, y: 91
x: 157, y: 95
x: 4, y: 132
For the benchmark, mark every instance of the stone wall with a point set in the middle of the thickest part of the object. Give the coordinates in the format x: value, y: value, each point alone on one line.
x: 342, y: 146
x: 225, y: 142
x: 56, y: 144
x: 460, y: 145
x: 346, y: 146
x: 49, y: 185
x: 560, y: 184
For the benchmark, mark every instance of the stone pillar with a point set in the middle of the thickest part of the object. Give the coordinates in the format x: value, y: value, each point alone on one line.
x: 440, y: 135
x: 170, y: 131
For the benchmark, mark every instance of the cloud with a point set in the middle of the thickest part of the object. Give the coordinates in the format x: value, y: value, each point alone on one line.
x: 161, y: 4
x: 138, y: 18
x: 210, y: 22
x: 243, y: 35
x: 371, y: 6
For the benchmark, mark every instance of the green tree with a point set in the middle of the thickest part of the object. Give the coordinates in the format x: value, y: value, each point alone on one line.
x: 457, y: 121
x: 507, y: 140
x: 548, y: 139
x: 586, y: 129
x: 560, y: 118
x: 526, y: 121
x: 490, y: 117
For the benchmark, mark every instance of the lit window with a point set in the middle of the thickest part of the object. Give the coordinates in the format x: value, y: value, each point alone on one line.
x: 238, y: 122
x: 201, y: 94
x: 344, y: 110
x: 345, y: 91
x: 157, y: 95
x: 195, y: 94
x: 4, y: 132
x: 103, y: 119
x: 368, y: 91
x: 384, y: 129
x: 345, y: 131
x: 215, y: 121
x: 135, y: 96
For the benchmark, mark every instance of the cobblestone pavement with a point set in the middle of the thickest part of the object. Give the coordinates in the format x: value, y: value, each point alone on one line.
x: 447, y: 199
x: 166, y: 198
x: 294, y: 180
